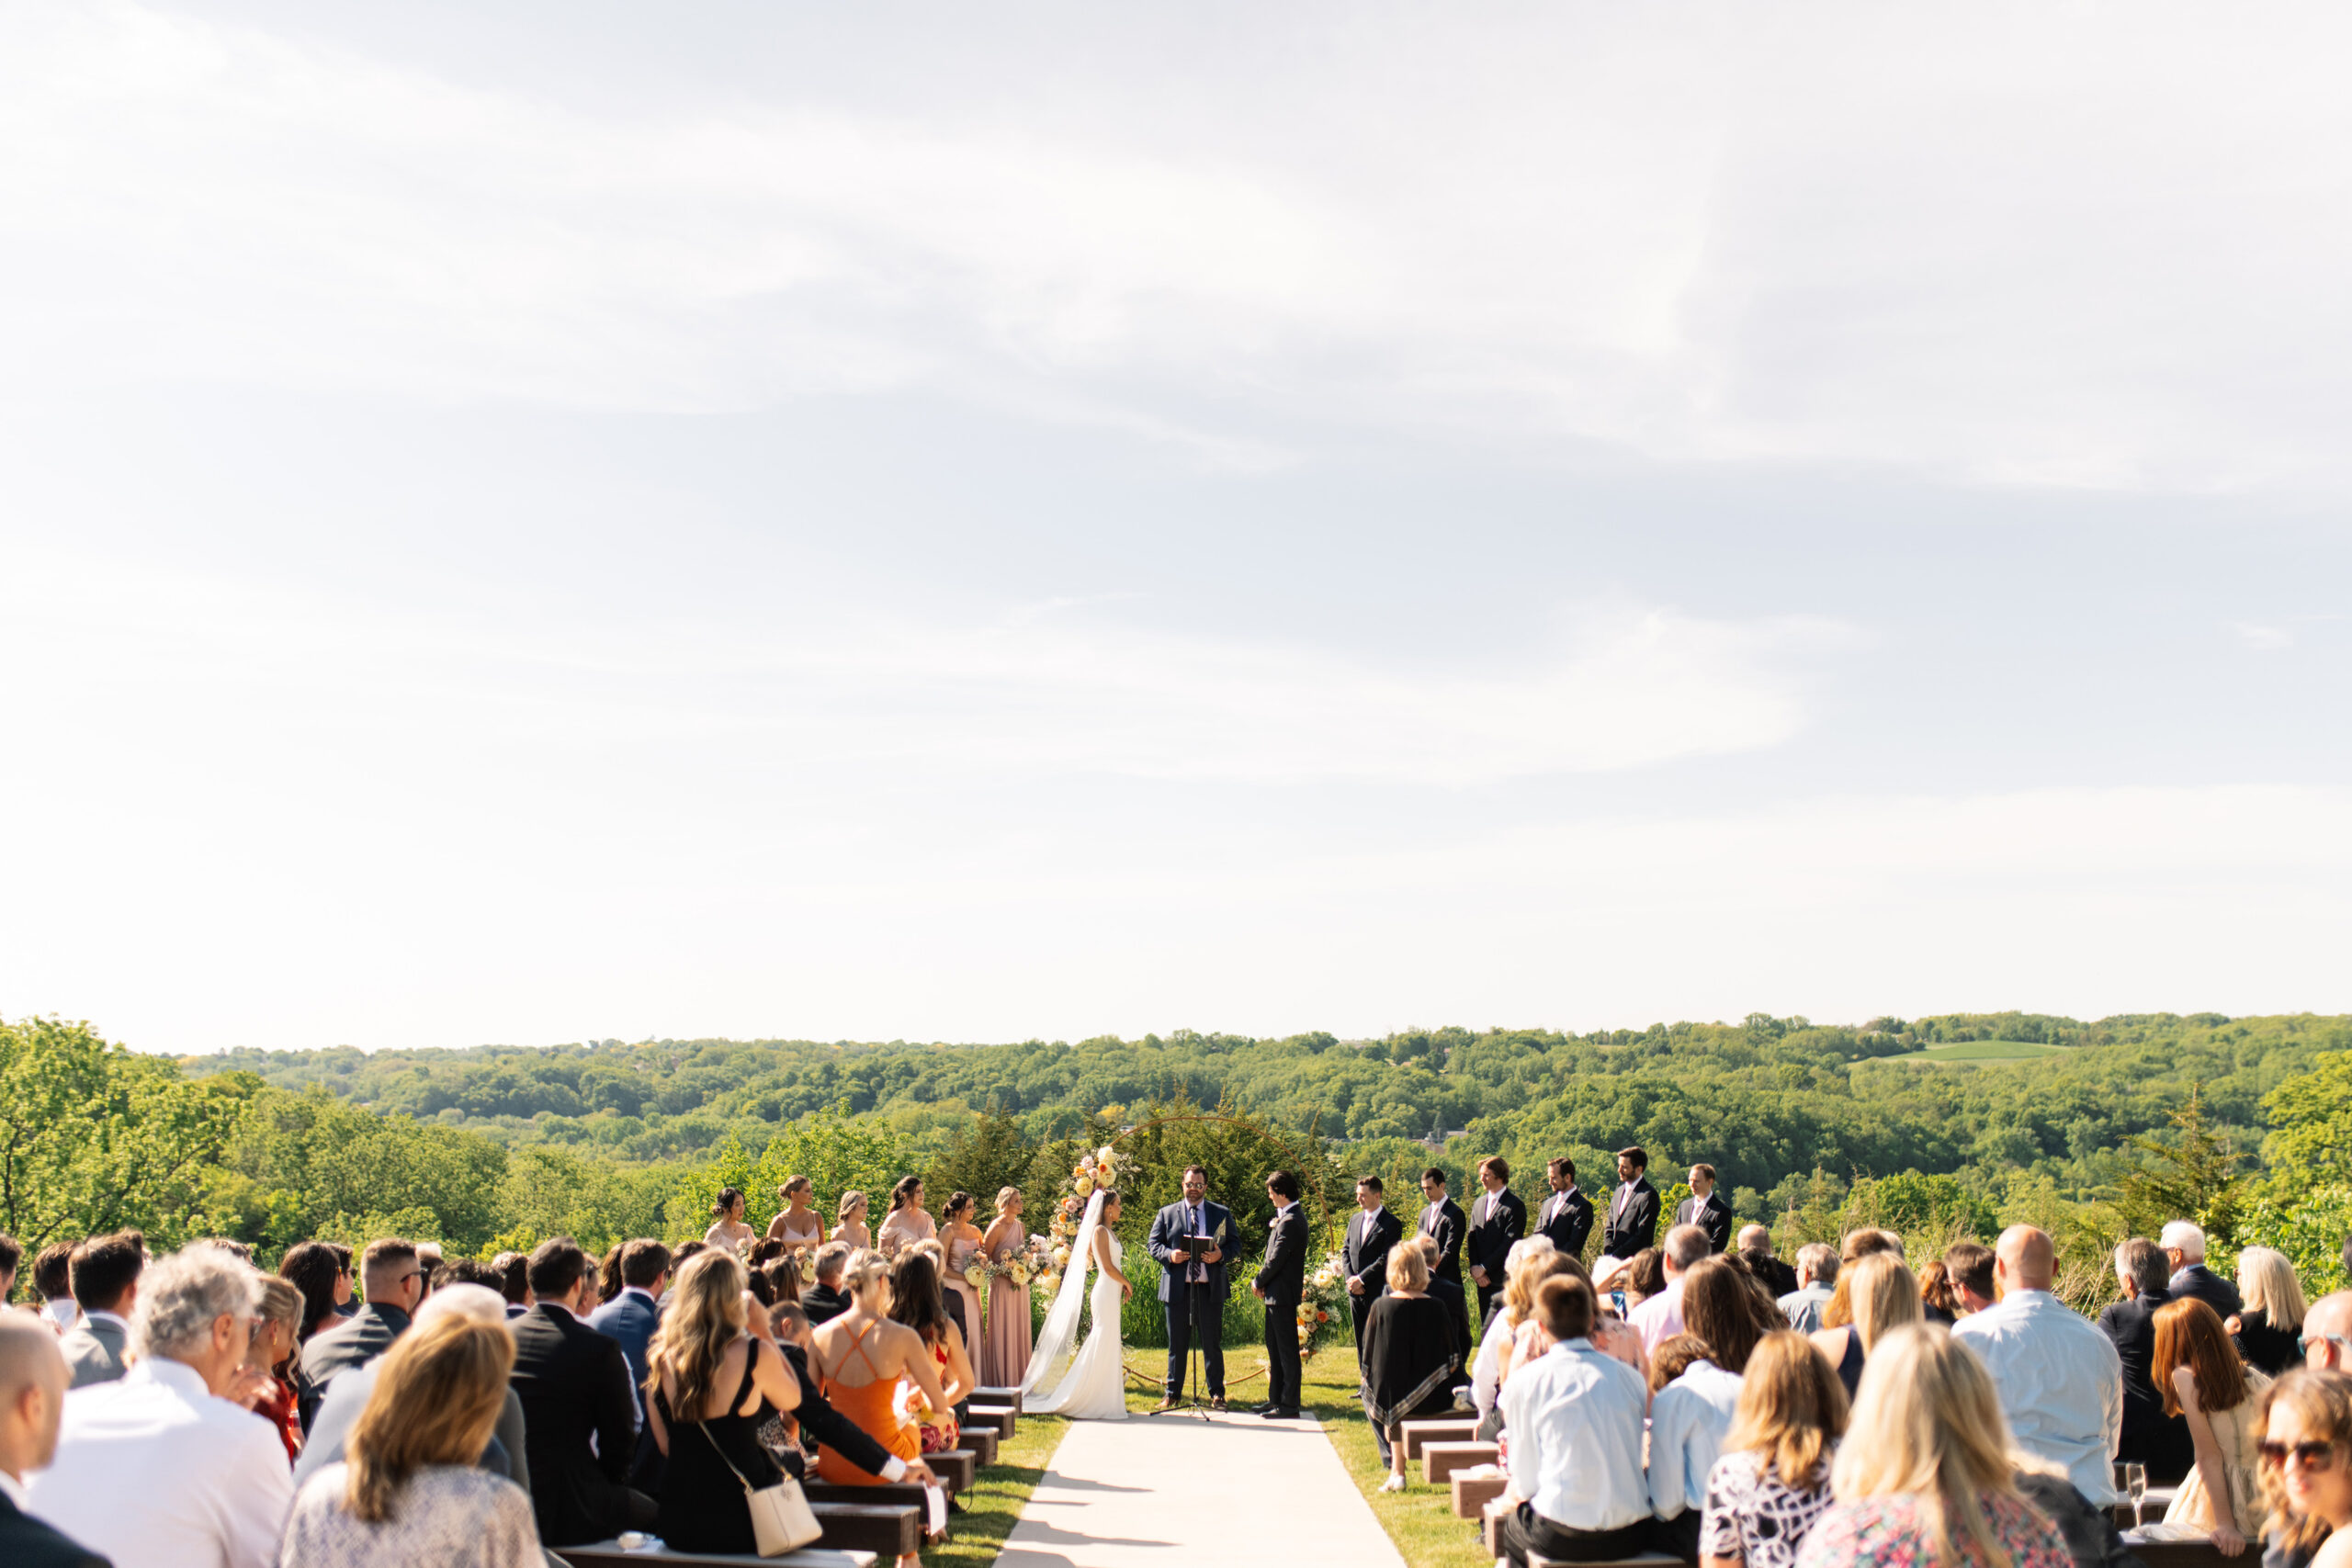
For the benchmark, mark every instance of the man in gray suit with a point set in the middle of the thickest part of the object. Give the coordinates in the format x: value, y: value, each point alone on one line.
x: 105, y: 1271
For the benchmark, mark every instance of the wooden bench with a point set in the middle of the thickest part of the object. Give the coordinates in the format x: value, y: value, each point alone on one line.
x: 890, y: 1529
x: 981, y: 1442
x: 608, y: 1555
x: 1441, y: 1429
x: 2185, y: 1553
x: 1440, y: 1461
x: 1007, y: 1397
x: 956, y: 1468
x: 1002, y: 1417
x: 1472, y: 1493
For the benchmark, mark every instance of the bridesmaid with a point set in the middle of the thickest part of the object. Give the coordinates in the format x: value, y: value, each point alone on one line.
x: 797, y: 1225
x: 963, y: 1239
x: 851, y: 1214
x: 729, y: 1230
x: 1004, y: 1350
x: 906, y: 1221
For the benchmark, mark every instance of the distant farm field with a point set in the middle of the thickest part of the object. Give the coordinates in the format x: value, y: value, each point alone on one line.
x: 1986, y: 1051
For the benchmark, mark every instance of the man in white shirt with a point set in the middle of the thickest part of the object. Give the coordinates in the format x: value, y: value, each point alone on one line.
x: 1574, y: 1419
x: 161, y: 1466
x: 1659, y: 1319
x: 2060, y: 1379
x: 1816, y: 1283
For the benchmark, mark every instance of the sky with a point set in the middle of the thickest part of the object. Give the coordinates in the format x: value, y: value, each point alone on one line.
x: 530, y: 522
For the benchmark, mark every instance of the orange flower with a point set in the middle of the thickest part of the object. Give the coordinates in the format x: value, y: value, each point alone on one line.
x: 1322, y: 1316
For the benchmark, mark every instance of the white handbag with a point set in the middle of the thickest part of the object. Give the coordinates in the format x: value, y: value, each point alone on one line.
x: 782, y: 1521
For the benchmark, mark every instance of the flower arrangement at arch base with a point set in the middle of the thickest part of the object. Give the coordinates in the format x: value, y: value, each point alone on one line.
x: 1100, y: 1168
x: 1323, y: 1312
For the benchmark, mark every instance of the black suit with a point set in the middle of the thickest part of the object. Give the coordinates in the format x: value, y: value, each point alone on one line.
x: 357, y: 1340
x: 573, y: 1382
x: 2149, y: 1436
x: 1442, y: 1223
x: 1776, y: 1276
x: 1496, y: 1220
x: 829, y: 1425
x: 28, y: 1542
x: 1633, y: 1220
x: 2204, y: 1285
x: 1566, y: 1218
x: 1366, y: 1258
x: 823, y: 1304
x: 1457, y: 1312
x: 1711, y: 1214
x: 1282, y: 1281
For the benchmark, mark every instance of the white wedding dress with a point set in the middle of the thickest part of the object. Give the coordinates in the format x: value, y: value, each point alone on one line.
x: 1095, y: 1387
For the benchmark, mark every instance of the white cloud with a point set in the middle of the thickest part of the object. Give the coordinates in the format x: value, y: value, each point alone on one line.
x: 2262, y: 638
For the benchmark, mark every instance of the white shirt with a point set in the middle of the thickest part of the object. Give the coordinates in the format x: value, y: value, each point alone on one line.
x: 152, y: 1468
x: 1659, y: 1319
x: 14, y: 1490
x: 1486, y: 1367
x: 63, y: 1310
x: 1689, y: 1421
x: 2061, y: 1385
x: 1574, y: 1419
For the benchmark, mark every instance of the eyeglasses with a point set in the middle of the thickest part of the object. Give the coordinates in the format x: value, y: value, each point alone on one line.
x: 2312, y: 1340
x: 2309, y: 1456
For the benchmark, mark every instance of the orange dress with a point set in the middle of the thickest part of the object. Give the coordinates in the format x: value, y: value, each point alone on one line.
x: 874, y: 1409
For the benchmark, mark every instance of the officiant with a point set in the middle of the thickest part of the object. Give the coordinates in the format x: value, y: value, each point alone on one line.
x: 1179, y: 1276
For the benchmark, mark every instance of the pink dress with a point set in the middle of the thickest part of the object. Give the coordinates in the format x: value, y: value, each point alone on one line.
x: 1004, y: 1349
x: 959, y: 1258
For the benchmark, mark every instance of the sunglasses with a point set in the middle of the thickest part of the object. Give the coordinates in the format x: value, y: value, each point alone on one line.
x: 2309, y: 1456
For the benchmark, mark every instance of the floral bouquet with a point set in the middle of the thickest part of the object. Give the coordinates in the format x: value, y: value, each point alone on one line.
x: 807, y: 1264
x: 1323, y: 1309
x: 976, y: 1274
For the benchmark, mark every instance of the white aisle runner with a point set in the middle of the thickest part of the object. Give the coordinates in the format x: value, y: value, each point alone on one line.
x: 1163, y: 1489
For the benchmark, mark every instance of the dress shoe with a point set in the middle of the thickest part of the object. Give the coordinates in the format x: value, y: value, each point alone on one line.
x: 1260, y: 1409
x: 1281, y: 1413
x: 1216, y: 1402
x: 1167, y: 1403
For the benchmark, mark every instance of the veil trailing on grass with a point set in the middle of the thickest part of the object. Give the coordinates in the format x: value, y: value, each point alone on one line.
x: 1057, y: 1347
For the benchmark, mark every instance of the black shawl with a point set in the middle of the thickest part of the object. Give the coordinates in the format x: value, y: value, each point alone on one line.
x: 1408, y: 1357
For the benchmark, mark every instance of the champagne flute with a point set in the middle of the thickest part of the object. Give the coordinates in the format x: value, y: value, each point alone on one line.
x: 2135, y: 1485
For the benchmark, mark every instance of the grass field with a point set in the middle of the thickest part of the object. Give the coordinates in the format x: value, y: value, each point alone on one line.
x: 974, y: 1539
x: 1986, y: 1051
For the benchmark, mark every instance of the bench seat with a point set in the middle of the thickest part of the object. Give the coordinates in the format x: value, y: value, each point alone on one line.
x: 608, y: 1555
x: 1440, y: 1461
x: 1419, y: 1434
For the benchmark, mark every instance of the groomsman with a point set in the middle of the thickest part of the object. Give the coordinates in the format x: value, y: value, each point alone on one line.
x: 1442, y: 1223
x: 1633, y: 1212
x: 1279, y: 1284
x: 1705, y: 1209
x: 1497, y: 1218
x: 1566, y: 1215
x: 1371, y: 1232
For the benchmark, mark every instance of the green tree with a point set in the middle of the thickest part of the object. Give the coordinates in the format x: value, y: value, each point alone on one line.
x: 302, y: 1165
x: 984, y: 1155
x: 2195, y: 1177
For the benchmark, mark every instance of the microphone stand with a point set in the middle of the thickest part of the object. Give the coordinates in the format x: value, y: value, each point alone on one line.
x: 1196, y: 1294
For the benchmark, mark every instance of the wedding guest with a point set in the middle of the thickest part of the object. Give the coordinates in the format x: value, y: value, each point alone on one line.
x: 105, y: 1271
x: 823, y: 1301
x: 1772, y: 1481
x: 1566, y: 1215
x: 163, y: 1465
x: 2059, y: 1381
x: 630, y: 1316
x: 797, y: 1224
x: 728, y: 1229
x: 918, y: 1302
x: 1443, y: 1223
x: 1660, y: 1315
x: 687, y: 1249
x: 1691, y: 1413
x: 1968, y: 1265
x: 277, y: 1339
x: 578, y: 1414
x: 395, y: 1284
x: 1372, y: 1232
x: 2268, y: 1329
x: 2327, y: 1334
x: 339, y: 1413
x: 2204, y: 1381
x: 1816, y: 1281
x: 1706, y: 1208
x: 346, y: 1302
x: 2307, y: 1470
x: 1497, y: 1218
x: 2151, y: 1435
x: 428, y: 1260
x: 908, y: 1221
x: 12, y: 1258
x: 713, y: 1384
x: 1004, y: 1349
x: 1852, y: 1248
x: 2184, y: 1244
x: 1923, y: 1474
x: 1940, y: 1303
x: 1497, y: 1345
x: 783, y: 1276
x: 1642, y: 1279
x: 861, y: 1360
x: 1449, y: 1294
x: 515, y: 1279
x: 1882, y: 1296
x: 820, y: 1423
x: 849, y: 1228
x: 33, y: 1381
x: 1529, y: 1341
x: 1407, y: 1358
x: 964, y: 1242
x: 53, y: 1282
x: 1755, y: 1250
x: 2090, y: 1534
x: 609, y: 1276
x: 1574, y: 1419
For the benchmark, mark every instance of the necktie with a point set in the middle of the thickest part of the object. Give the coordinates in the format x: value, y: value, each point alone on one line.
x: 1200, y: 1270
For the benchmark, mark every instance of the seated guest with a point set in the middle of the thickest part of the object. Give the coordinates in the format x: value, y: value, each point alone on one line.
x: 1772, y: 1481
x: 1816, y: 1281
x: 790, y: 1328
x: 162, y: 1466
x: 951, y: 1304
x: 514, y: 1272
x: 33, y: 1381
x: 395, y: 1284
x: 1756, y: 1251
x: 918, y: 1302
x: 1450, y: 1295
x: 277, y: 1339
x: 1923, y: 1474
x: 1494, y: 1350
x: 713, y: 1384
x: 2307, y: 1470
x: 1408, y: 1359
x: 579, y: 1416
x: 104, y: 1273
x: 340, y: 1411
x: 1644, y: 1277
x: 2268, y: 1330
x: 2151, y: 1435
x: 408, y: 1489
x: 1968, y: 1264
x: 2184, y: 1244
x: 2059, y: 1381
x: 1858, y: 1244
x: 1574, y: 1418
x: 1938, y: 1302
x: 2204, y: 1381
x: 823, y: 1301
x: 53, y: 1282
x: 1879, y: 1295
x: 783, y: 1278
x: 630, y: 1316
x: 1690, y: 1415
x: 1661, y: 1314
x: 861, y: 1360
x: 2090, y: 1534
x: 346, y: 1304
x: 609, y: 1276
x: 312, y: 1269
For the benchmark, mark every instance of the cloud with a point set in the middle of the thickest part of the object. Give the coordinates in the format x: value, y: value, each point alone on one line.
x: 2261, y: 638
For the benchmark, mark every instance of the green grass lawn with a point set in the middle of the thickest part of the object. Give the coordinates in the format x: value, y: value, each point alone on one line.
x: 997, y: 1497
x: 1420, y: 1519
x: 1986, y: 1051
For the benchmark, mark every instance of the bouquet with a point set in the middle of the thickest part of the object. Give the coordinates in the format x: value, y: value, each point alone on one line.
x: 976, y: 1274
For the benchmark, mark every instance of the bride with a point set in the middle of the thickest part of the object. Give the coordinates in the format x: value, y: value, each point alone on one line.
x: 1092, y: 1384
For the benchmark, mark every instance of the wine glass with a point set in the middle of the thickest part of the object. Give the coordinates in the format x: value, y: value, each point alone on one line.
x: 2135, y: 1486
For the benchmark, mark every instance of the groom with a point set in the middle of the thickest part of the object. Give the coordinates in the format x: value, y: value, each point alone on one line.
x: 1193, y: 1217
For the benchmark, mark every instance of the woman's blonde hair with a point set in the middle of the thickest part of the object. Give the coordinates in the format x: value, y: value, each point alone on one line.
x: 1005, y: 1195
x: 2324, y: 1402
x: 1792, y: 1409
x: 2269, y: 1280
x: 1525, y: 1276
x: 1837, y: 1312
x: 1407, y: 1270
x: 864, y: 1265
x: 1883, y: 1296
x: 852, y: 1199
x: 435, y: 1402
x: 1927, y: 1424
x: 702, y: 1316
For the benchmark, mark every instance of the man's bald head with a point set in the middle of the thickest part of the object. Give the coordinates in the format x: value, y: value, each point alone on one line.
x: 2024, y: 1260
x: 32, y: 1393
x: 2327, y: 1334
x: 1754, y: 1238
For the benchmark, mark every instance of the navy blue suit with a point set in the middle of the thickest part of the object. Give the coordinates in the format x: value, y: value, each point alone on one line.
x: 629, y: 1320
x: 1170, y: 1223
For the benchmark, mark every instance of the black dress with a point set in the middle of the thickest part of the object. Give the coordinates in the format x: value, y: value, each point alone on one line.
x: 2265, y: 1348
x: 703, y: 1508
x: 1409, y: 1359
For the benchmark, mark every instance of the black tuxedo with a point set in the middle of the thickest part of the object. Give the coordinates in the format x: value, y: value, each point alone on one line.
x: 823, y: 1304
x: 1778, y: 1277
x: 353, y: 1342
x: 1443, y: 1223
x: 2149, y: 1436
x: 1633, y: 1219
x: 1711, y: 1214
x: 28, y: 1542
x: 1168, y: 1226
x: 1566, y: 1218
x: 1496, y: 1220
x: 1366, y: 1257
x: 1457, y: 1312
x: 829, y: 1425
x: 1282, y: 1280
x: 574, y: 1384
